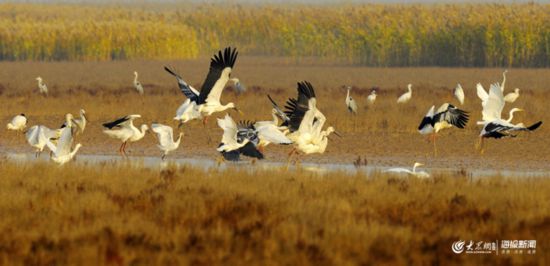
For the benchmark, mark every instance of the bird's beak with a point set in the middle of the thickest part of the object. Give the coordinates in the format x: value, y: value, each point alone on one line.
x: 237, y: 110
x: 520, y: 110
x: 337, y: 134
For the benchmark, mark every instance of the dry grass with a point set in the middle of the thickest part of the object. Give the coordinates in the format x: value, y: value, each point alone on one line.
x: 106, y: 214
x: 384, y: 133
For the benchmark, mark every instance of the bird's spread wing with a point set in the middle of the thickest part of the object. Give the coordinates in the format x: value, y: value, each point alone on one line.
x: 296, y: 109
x: 250, y: 150
x: 116, y: 123
x: 482, y: 94
x: 121, y: 122
x: 32, y: 135
x: 51, y: 146
x: 282, y: 115
x: 49, y: 133
x: 308, y: 120
x: 428, y: 118
x: 185, y: 88
x: 452, y: 115
x: 500, y: 129
x: 65, y: 142
x: 229, y: 127
x: 492, y: 110
x: 165, y: 134
x: 246, y: 130
x: 459, y: 93
x: 214, y: 83
x: 271, y: 133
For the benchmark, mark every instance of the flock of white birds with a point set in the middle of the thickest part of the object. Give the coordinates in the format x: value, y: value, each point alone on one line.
x: 300, y: 124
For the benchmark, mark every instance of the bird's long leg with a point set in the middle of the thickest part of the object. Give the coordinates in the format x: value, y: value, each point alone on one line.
x: 482, y: 151
x: 123, y: 149
x: 204, y: 121
x: 290, y: 157
x: 435, y: 146
x: 298, y: 159
x: 120, y: 149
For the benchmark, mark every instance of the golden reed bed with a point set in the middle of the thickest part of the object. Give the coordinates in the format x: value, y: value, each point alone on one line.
x: 370, y: 34
x: 122, y: 215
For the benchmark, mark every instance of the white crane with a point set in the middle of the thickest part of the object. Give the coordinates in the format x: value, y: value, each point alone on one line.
x: 239, y: 87
x: 493, y: 124
x: 372, y: 96
x: 18, y: 123
x: 305, y: 122
x: 446, y: 116
x: 165, y: 136
x: 189, y: 110
x: 42, y: 88
x: 38, y: 136
x: 405, y: 97
x: 208, y: 100
x: 483, y: 95
x: 459, y: 94
x: 350, y: 103
x: 124, y: 130
x: 419, y: 174
x: 512, y: 96
x: 80, y: 122
x: 137, y: 84
x: 62, y: 151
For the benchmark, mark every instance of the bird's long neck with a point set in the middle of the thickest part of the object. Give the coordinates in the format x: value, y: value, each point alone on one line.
x: 83, y: 117
x: 414, y: 168
x: 76, y: 148
x: 135, y: 77
x: 142, y: 131
x: 511, y: 116
x: 275, y: 119
x: 227, y: 106
x: 178, y: 140
x: 347, y: 95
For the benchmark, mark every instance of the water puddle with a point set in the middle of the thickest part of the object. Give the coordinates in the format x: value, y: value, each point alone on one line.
x: 319, y: 168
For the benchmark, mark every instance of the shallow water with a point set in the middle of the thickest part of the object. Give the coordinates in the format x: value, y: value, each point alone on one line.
x: 320, y: 168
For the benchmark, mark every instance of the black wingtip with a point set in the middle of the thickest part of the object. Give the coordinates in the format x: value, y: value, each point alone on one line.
x: 304, y: 87
x: 535, y: 126
x: 272, y: 101
x: 225, y: 58
x: 170, y: 71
